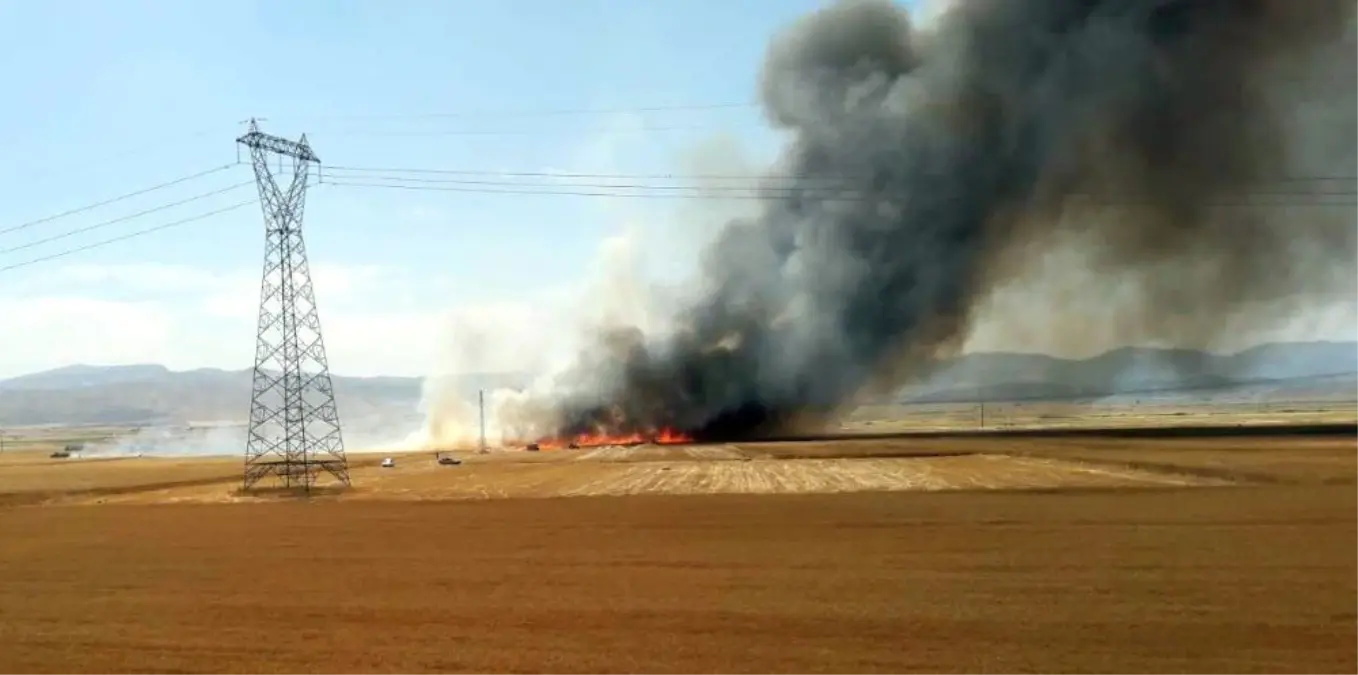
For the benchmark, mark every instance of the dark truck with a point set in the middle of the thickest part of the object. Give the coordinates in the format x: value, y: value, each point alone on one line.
x: 70, y: 449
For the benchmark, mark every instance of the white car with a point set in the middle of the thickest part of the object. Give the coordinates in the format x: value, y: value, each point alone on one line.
x: 388, y: 463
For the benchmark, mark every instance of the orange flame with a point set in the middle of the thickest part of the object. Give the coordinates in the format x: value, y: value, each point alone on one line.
x: 663, y: 437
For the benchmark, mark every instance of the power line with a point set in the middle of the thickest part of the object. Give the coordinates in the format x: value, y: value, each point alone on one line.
x: 758, y: 188
x: 754, y: 178
x: 87, y: 228
x: 106, y: 202
x: 583, y: 192
x: 560, y: 184
x: 1283, y: 192
x: 753, y: 191
x: 130, y: 235
x: 558, y: 174
x: 510, y: 132
x: 752, y: 183
x: 560, y: 112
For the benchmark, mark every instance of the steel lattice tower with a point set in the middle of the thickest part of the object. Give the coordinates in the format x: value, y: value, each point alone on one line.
x: 294, y: 423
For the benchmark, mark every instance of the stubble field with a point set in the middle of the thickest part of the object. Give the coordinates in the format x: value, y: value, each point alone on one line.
x: 984, y: 553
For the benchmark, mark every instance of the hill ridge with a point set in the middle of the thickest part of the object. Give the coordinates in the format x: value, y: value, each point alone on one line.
x: 154, y: 394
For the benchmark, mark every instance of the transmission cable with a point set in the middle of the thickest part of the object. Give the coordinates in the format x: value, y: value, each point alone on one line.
x: 561, y: 112
x: 429, y: 133
x: 121, y: 219
x: 753, y: 179
x: 753, y: 183
x: 129, y: 235
x: 755, y: 192
x: 106, y: 202
x: 751, y: 187
x: 349, y: 171
x: 599, y: 191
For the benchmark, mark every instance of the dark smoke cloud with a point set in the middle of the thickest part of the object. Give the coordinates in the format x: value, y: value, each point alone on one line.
x: 931, y: 167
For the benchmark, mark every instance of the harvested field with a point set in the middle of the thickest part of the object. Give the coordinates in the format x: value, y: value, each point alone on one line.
x: 421, y: 478
x: 999, y: 552
x: 990, y: 462
x: 27, y: 477
x: 1257, y: 579
x: 1009, y: 415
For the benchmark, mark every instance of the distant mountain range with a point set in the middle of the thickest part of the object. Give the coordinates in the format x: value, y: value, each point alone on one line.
x: 153, y: 394
x: 1289, y: 368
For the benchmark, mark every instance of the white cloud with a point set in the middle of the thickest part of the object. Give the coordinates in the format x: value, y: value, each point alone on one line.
x: 186, y: 318
x: 53, y: 330
x: 142, y: 277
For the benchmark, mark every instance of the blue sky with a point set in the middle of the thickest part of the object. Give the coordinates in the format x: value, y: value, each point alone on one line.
x: 116, y: 97
x: 106, y: 98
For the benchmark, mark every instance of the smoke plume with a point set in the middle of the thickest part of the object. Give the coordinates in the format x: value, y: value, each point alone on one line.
x: 1178, y: 145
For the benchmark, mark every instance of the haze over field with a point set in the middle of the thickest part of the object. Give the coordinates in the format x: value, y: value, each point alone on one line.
x: 389, y: 412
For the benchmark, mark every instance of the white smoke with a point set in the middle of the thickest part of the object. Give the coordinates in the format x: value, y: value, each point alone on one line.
x: 173, y: 441
x: 530, y: 345
x: 229, y: 440
x: 633, y: 281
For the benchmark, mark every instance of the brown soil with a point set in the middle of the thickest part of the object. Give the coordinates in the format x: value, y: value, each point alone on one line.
x: 1232, y: 580
x: 1122, y: 555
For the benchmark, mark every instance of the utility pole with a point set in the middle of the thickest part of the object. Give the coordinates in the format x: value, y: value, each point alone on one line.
x: 980, y: 395
x: 481, y: 405
x: 294, y: 424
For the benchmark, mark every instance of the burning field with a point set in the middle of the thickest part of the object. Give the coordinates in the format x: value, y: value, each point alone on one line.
x: 1171, y: 171
x: 660, y: 527
x: 598, y: 440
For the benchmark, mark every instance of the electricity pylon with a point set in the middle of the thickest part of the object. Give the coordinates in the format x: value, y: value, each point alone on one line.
x: 294, y: 423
